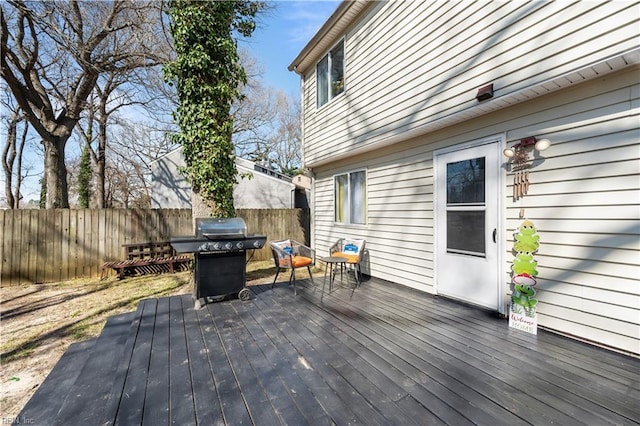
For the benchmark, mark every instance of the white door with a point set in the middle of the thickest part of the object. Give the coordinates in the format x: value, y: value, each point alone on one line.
x: 467, y: 189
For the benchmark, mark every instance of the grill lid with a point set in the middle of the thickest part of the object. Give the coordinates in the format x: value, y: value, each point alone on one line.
x: 211, y: 227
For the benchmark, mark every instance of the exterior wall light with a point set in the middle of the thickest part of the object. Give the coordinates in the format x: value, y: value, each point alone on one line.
x: 509, y: 152
x: 542, y: 144
x: 519, y: 154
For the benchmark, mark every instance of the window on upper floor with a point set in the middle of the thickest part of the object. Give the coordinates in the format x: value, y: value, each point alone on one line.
x: 330, y: 75
x: 350, y: 197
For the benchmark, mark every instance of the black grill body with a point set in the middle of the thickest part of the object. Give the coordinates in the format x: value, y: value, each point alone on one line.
x: 219, y: 248
x: 219, y: 273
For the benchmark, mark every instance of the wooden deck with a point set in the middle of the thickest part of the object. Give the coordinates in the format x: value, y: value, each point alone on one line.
x: 385, y: 355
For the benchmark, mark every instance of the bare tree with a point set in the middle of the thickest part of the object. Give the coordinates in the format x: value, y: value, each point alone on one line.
x: 267, y: 129
x: 253, y: 116
x: 286, y: 141
x: 116, y: 91
x: 12, y: 158
x: 129, y: 155
x: 125, y: 186
x: 15, y: 167
x: 266, y: 123
x: 52, y: 55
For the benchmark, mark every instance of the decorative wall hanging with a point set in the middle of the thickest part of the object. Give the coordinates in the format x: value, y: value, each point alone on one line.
x: 520, y: 159
x: 523, y: 315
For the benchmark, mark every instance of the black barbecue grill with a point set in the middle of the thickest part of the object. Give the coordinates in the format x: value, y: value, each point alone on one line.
x: 219, y: 248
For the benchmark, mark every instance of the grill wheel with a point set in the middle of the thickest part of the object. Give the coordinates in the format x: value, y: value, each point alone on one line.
x: 244, y: 295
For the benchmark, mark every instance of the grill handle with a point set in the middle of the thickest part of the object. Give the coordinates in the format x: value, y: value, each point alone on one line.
x: 210, y: 236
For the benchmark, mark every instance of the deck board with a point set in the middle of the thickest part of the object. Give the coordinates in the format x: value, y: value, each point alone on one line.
x: 132, y: 400
x: 268, y: 378
x: 206, y: 402
x: 234, y: 410
x: 85, y: 401
x: 280, y: 372
x: 182, y: 408
x: 242, y: 365
x: 122, y: 368
x: 40, y: 409
x: 481, y: 370
x: 277, y: 326
x: 156, y: 406
x: 382, y: 354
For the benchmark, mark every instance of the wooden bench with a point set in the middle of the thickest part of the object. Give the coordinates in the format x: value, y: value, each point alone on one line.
x: 147, y: 258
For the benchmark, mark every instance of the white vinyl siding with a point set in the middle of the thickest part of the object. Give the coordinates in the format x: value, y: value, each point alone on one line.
x: 586, y: 205
x: 399, y: 230
x: 584, y: 199
x: 413, y: 63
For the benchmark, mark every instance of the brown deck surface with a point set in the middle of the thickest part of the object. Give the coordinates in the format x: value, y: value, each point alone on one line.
x: 385, y: 355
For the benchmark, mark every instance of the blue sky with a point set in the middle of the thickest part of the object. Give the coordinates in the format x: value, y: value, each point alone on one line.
x: 281, y: 35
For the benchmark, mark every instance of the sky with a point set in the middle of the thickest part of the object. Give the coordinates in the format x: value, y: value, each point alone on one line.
x: 281, y: 34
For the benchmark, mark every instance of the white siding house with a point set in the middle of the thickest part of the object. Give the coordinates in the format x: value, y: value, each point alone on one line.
x: 389, y: 95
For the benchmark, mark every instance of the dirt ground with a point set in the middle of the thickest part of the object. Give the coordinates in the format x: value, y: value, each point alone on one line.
x: 39, y: 322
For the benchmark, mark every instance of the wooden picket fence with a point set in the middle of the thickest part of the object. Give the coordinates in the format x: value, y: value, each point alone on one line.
x: 43, y: 246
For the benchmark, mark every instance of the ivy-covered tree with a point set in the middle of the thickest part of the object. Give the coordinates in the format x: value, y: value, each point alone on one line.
x: 208, y: 75
x: 84, y: 178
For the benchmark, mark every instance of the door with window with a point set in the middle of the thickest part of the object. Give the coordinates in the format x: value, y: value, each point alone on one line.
x: 467, y: 185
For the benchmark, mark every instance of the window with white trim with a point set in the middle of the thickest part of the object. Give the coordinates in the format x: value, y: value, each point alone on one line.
x: 350, y: 197
x: 330, y: 75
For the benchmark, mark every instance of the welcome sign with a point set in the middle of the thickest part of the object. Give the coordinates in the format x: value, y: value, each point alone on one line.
x: 523, y: 321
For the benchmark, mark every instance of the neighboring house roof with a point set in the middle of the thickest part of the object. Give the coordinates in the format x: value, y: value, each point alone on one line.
x: 254, y: 167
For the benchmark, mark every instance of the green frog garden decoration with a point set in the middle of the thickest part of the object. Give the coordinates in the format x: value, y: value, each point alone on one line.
x: 524, y: 269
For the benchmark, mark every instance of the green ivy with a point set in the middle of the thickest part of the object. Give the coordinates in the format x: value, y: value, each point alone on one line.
x: 207, y: 74
x: 42, y: 203
x: 84, y: 179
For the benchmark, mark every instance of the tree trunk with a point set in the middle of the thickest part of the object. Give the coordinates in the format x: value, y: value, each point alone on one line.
x: 55, y: 170
x: 101, y: 156
x: 8, y: 157
x: 18, y: 188
x: 101, y: 196
x: 199, y: 208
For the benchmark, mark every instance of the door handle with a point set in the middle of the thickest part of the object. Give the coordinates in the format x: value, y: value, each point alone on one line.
x: 495, y: 231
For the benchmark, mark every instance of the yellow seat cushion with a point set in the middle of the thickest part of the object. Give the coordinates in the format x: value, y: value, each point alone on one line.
x: 351, y: 258
x: 300, y: 261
